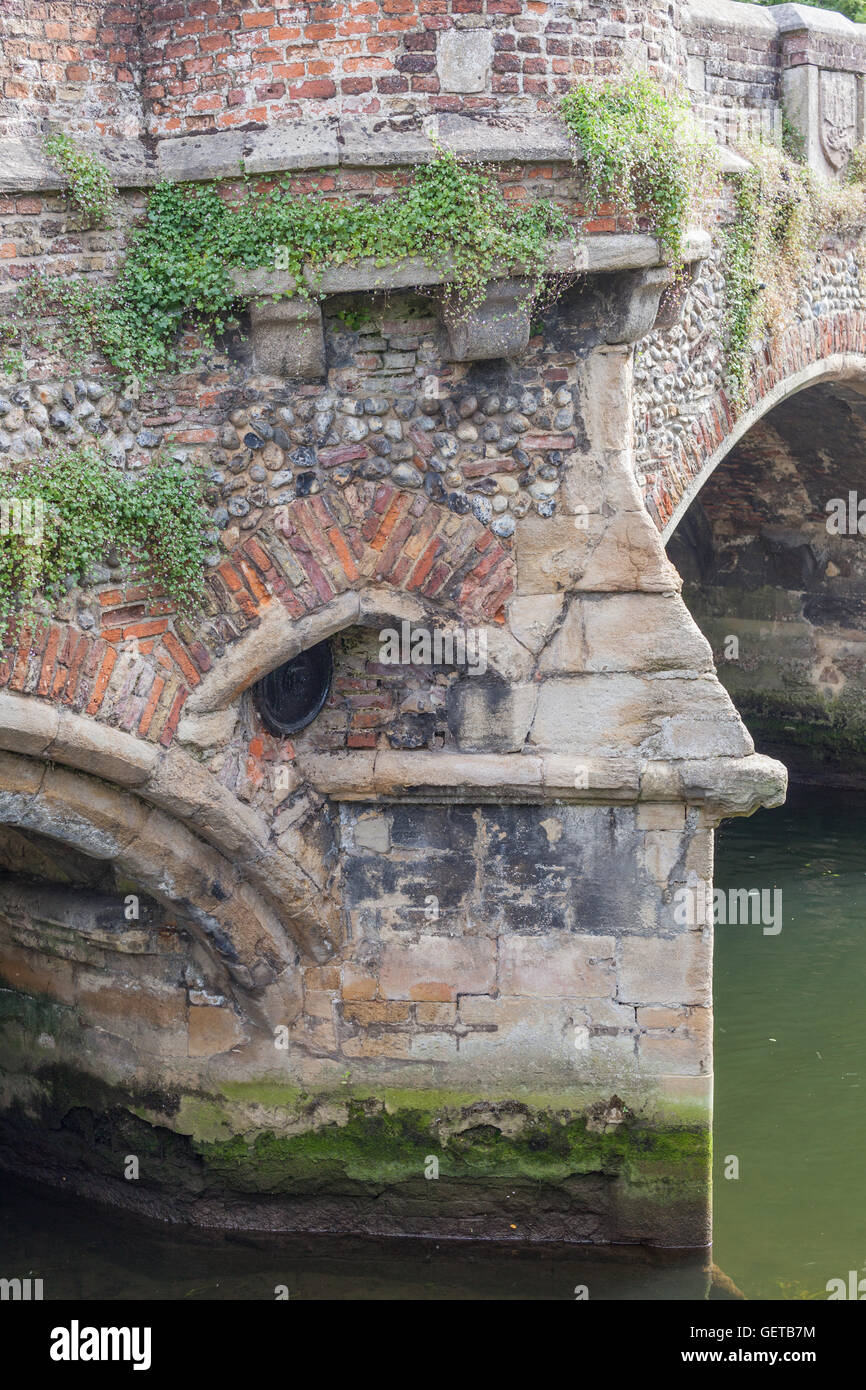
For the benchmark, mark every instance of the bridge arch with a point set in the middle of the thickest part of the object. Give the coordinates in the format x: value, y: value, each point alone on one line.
x: 806, y: 354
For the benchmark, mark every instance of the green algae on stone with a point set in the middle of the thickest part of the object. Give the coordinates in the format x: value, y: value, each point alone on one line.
x: 376, y: 1146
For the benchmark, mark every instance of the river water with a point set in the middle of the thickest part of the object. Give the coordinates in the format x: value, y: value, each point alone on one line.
x: 790, y: 1091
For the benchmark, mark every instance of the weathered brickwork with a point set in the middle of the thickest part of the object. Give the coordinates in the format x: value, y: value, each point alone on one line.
x: 217, y: 67
x: 77, y: 64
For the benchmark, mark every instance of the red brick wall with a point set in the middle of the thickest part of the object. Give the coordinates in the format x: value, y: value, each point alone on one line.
x: 221, y: 64
x: 73, y: 63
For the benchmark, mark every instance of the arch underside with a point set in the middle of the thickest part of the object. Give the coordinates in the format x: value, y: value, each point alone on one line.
x: 719, y: 429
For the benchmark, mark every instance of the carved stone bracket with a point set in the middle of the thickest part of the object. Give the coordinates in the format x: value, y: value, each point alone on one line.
x: 288, y: 339
x: 288, y: 336
x: 637, y: 300
x: 498, y: 326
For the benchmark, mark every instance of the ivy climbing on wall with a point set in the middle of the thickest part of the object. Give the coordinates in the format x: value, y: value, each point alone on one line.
x: 782, y: 212
x: 643, y: 151
x: 62, y: 514
x: 179, y: 261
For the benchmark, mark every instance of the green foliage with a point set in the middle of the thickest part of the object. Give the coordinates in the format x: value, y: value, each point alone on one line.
x: 179, y: 262
x: 90, y: 185
x: 64, y: 513
x: 781, y: 211
x: 11, y: 357
x: 643, y: 151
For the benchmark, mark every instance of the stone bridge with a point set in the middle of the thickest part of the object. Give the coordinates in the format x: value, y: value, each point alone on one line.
x: 441, y: 920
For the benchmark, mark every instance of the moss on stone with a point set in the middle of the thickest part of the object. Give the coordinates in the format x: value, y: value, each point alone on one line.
x: 379, y: 1145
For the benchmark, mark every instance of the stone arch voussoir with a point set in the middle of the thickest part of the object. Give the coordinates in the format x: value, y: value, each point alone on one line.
x: 267, y: 908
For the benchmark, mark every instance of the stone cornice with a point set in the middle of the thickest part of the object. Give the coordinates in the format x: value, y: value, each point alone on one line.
x: 723, y: 786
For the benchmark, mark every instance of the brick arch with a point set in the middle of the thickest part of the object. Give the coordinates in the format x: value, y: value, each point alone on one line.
x: 137, y: 672
x: 829, y: 349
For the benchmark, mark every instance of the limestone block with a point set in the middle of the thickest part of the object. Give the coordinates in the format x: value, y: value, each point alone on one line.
x: 674, y: 1055
x: 34, y: 973
x: 665, y: 717
x: 81, y: 811
x: 487, y: 716
x: 627, y: 632
x: 185, y: 789
x: 212, y: 1030
x: 463, y: 59
x: 117, y: 757
x: 593, y: 714
x: 498, y: 326
x: 288, y: 338
x: 606, y: 390
x: 622, y: 552
x: 207, y: 730
x: 532, y: 618
x: 436, y: 969
x: 26, y: 725
x: 721, y: 735
x: 373, y: 832
x: 665, y: 970
x: 507, y: 655
x: 433, y: 1047
x: 556, y: 965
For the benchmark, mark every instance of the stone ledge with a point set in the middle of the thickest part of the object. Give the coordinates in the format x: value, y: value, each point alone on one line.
x: 287, y: 330
x: 351, y: 142
x: 591, y: 255
x: 724, y: 786
x: 24, y: 168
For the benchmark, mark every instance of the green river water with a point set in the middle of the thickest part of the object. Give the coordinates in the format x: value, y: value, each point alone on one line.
x: 790, y: 1091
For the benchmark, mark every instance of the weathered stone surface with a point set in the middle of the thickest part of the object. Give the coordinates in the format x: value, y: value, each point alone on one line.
x: 287, y: 338
x: 489, y: 716
x: 498, y: 326
x: 463, y: 59
x: 665, y: 970
x: 627, y: 632
x: 212, y: 1030
x: 557, y: 965
x: 437, y: 968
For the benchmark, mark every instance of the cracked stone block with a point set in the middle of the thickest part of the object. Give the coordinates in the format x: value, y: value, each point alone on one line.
x: 288, y: 339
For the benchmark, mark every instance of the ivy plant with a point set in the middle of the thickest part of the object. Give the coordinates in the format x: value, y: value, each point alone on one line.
x: 781, y: 212
x: 62, y: 514
x: 179, y: 261
x: 644, y: 151
x: 91, y: 189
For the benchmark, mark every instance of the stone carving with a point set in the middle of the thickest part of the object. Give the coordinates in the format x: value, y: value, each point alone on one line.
x: 837, y: 121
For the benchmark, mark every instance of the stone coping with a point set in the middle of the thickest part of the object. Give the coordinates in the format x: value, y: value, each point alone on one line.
x: 725, y: 786
x: 349, y: 141
x: 605, y: 253
x: 342, y: 142
x: 773, y: 20
x: 177, y: 784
